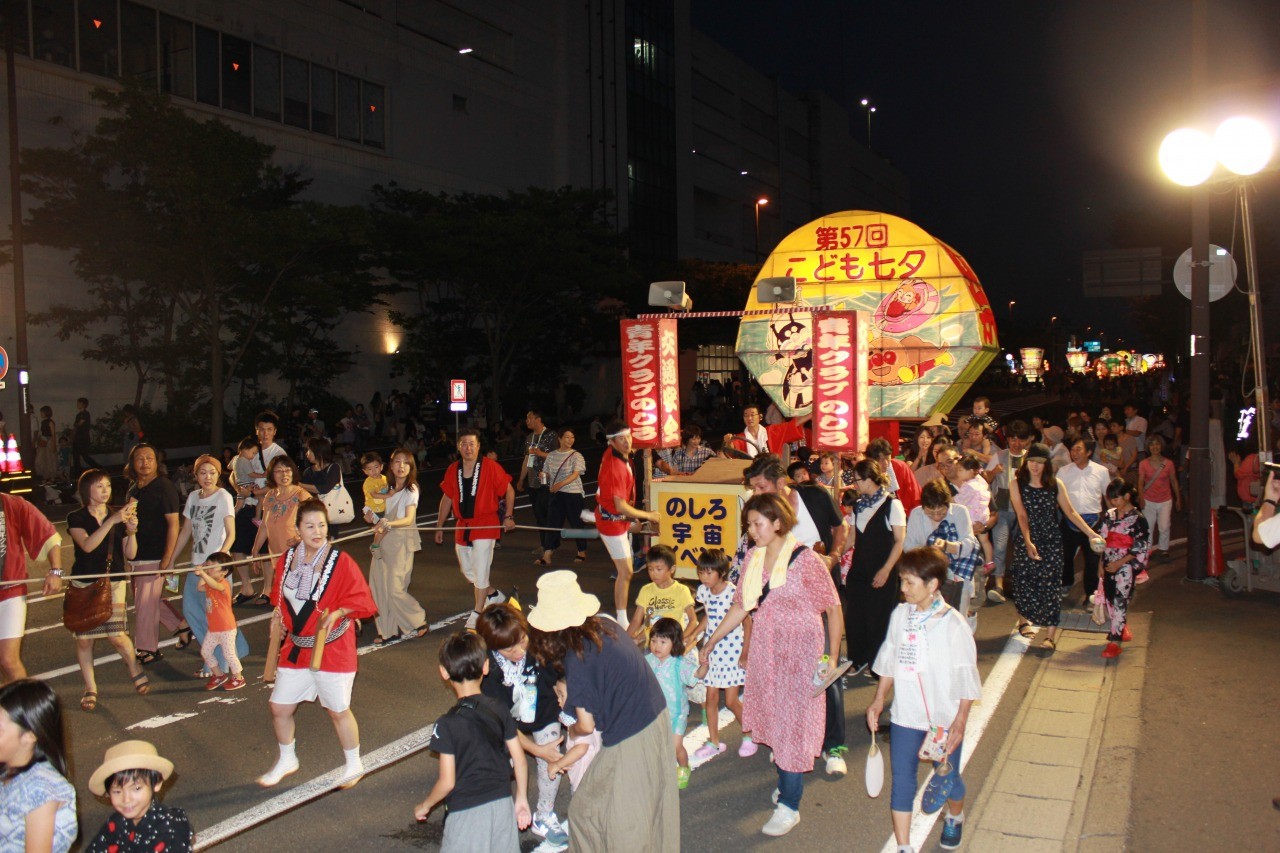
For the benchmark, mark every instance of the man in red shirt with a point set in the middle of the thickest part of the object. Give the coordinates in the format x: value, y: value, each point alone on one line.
x: 27, y: 535
x: 756, y: 438
x: 615, y: 510
x: 472, y: 488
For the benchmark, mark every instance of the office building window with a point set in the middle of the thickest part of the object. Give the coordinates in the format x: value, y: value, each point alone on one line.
x: 323, y: 116
x: 177, y: 57
x: 373, y: 108
x: 99, y: 48
x: 208, y: 89
x: 266, y: 83
x: 53, y: 31
x: 21, y: 44
x: 295, y: 92
x: 348, y: 108
x: 237, y: 74
x: 138, y: 42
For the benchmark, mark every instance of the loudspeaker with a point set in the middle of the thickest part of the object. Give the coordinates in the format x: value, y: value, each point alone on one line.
x: 779, y: 289
x: 669, y: 294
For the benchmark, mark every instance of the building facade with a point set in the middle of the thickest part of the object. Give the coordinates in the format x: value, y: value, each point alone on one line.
x: 477, y: 96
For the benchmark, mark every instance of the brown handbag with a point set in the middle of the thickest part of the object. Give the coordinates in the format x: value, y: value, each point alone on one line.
x: 88, y: 605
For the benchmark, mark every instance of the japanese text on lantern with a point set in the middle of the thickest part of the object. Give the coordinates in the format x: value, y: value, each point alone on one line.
x: 840, y: 381
x: 650, y: 382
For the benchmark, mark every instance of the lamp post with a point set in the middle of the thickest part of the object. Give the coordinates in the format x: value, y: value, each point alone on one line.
x: 760, y: 202
x: 1012, y: 302
x: 870, y: 108
x: 1189, y: 158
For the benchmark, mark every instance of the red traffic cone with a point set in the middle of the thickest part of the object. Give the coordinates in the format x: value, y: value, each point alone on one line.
x: 12, y: 459
x: 1217, y: 562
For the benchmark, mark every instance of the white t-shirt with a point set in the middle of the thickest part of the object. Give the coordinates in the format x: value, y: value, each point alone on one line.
x: 1269, y: 531
x: 261, y: 462
x: 1139, y: 423
x: 208, y: 528
x: 398, y: 503
x: 897, y: 515
x: 1086, y: 487
x: 947, y: 671
x: 805, y: 531
x: 760, y: 439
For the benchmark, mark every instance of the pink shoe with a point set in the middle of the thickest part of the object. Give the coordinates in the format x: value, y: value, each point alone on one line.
x: 1142, y: 577
x: 709, y: 750
x: 748, y: 748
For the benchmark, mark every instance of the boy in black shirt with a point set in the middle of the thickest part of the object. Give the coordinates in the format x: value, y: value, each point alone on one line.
x: 478, y: 751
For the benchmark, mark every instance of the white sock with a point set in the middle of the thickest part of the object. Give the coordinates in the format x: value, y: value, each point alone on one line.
x: 289, y: 751
x: 956, y: 818
x: 353, y: 757
x: 622, y: 618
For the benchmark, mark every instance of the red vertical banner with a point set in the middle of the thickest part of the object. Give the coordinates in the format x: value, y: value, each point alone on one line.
x: 840, y: 410
x: 651, y: 383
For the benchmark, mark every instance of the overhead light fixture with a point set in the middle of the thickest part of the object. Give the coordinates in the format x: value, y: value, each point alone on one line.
x: 743, y: 172
x: 465, y: 49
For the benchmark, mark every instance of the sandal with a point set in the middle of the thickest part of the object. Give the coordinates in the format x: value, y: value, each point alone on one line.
x: 243, y: 598
x: 142, y: 684
x: 1027, y: 630
x: 541, y: 562
x: 581, y: 558
x: 88, y: 701
x: 419, y: 632
x: 1049, y: 645
x: 261, y: 600
x: 147, y: 658
x: 380, y: 640
x: 185, y: 638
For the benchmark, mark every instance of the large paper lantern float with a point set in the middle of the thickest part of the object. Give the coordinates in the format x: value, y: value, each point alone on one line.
x: 932, y: 331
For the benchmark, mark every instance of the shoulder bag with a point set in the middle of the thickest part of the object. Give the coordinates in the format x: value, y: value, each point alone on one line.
x: 87, y: 605
x: 339, y: 504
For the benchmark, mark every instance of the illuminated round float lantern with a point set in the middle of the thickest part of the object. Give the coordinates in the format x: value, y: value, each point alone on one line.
x: 1077, y: 359
x: 1032, y: 362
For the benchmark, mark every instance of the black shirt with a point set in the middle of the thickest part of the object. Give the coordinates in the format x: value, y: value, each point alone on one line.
x: 95, y: 562
x: 546, y: 709
x: 155, y: 500
x: 482, y: 765
x: 324, y: 480
x: 614, y: 684
x: 80, y: 435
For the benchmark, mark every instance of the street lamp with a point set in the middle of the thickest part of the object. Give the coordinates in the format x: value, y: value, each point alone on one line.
x: 870, y: 108
x: 760, y: 202
x: 1012, y: 302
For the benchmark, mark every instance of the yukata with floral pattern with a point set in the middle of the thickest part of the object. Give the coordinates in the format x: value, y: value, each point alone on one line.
x: 1124, y: 534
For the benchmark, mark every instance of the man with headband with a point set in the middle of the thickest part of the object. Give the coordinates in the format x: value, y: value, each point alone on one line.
x: 472, y: 488
x: 615, y: 510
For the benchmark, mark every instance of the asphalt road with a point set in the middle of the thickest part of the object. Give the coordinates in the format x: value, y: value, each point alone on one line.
x: 221, y: 742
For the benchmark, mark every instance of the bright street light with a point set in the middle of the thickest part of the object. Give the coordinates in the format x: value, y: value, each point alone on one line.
x: 1186, y: 157
x: 870, y: 108
x: 760, y: 202
x: 1243, y: 145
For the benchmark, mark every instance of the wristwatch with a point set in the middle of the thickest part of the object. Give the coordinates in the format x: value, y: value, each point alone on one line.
x: 1273, y: 503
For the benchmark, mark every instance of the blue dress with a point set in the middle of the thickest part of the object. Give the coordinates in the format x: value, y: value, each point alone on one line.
x: 674, y: 675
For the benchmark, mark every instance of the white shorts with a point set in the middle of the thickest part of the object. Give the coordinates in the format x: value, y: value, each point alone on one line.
x: 13, y: 617
x: 475, y: 560
x: 619, y: 547
x: 294, y: 686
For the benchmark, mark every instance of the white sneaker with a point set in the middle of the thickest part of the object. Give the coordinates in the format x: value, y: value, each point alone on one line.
x: 546, y: 824
x: 995, y: 596
x: 835, y: 762
x: 282, y: 769
x: 783, y: 821
x: 774, y: 796
x: 495, y: 597
x: 472, y: 619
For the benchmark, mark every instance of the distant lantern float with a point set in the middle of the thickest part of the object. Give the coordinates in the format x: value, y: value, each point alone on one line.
x: 1032, y: 362
x: 1077, y: 359
x: 932, y: 329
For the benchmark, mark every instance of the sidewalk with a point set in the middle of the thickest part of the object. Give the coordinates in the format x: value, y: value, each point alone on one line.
x: 1081, y: 715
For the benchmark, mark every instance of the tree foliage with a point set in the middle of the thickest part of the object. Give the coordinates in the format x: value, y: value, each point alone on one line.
x: 201, y: 263
x: 510, y: 289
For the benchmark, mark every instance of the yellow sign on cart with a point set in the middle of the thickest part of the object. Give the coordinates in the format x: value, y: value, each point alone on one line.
x: 696, y: 515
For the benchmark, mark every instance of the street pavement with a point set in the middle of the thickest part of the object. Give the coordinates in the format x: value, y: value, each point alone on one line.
x: 1167, y: 747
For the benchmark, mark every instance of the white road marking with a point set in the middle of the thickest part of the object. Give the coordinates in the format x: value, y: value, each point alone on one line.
x: 435, y: 626
x: 157, y: 722
x: 172, y: 641
x: 997, y: 682
x: 223, y: 700
x: 410, y: 744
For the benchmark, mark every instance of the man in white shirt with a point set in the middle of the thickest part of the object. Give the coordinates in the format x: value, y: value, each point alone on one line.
x: 756, y: 438
x: 1136, y: 426
x: 1086, y: 483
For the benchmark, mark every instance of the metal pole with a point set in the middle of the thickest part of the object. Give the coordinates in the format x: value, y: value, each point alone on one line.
x: 23, y: 358
x: 1262, y: 395
x: 757, y: 207
x: 1198, y: 447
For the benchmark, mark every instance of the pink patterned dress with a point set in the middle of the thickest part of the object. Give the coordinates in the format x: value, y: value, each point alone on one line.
x: 787, y: 640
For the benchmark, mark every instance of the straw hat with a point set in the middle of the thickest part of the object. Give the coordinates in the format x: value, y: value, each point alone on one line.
x: 936, y: 419
x: 128, y: 755
x: 561, y: 602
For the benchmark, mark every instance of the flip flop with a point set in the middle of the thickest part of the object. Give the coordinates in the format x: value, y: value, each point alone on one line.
x: 142, y: 684
x: 88, y: 701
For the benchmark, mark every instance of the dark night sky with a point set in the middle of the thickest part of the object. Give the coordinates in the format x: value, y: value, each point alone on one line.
x: 1028, y: 129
